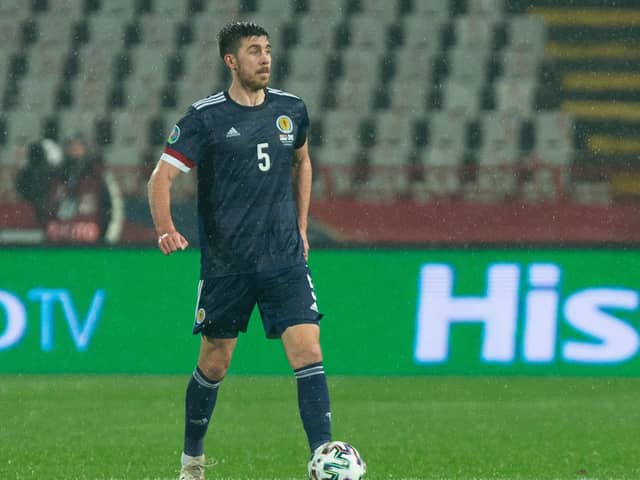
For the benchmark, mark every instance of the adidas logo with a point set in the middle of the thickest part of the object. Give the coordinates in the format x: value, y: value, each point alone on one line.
x: 233, y: 133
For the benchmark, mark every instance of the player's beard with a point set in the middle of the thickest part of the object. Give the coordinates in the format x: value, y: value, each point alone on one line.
x: 254, y: 81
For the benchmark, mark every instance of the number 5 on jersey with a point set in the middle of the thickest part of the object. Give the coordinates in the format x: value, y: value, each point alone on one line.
x: 264, y: 160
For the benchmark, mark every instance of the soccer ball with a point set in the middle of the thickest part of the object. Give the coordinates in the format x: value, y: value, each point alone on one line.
x: 336, y: 461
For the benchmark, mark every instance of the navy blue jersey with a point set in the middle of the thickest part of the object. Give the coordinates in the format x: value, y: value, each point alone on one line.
x: 246, y: 208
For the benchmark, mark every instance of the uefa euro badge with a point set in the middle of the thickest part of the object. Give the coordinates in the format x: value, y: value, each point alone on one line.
x: 285, y: 126
x: 175, y: 135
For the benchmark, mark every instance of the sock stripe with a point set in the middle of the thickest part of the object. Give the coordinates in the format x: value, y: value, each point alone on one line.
x: 309, y: 371
x: 203, y: 381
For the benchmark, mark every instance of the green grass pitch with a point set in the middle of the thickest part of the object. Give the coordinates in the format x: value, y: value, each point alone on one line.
x: 130, y: 427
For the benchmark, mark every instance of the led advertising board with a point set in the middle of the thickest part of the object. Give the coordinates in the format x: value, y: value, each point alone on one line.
x: 387, y: 312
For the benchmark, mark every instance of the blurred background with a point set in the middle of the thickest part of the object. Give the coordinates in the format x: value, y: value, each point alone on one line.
x: 475, y: 212
x: 447, y: 121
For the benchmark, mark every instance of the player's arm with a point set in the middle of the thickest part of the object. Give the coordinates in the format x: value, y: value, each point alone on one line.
x: 301, y: 176
x: 159, y: 192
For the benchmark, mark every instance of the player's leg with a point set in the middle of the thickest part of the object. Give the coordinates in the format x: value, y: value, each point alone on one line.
x: 289, y: 310
x: 302, y: 346
x: 223, y: 309
x: 202, y: 391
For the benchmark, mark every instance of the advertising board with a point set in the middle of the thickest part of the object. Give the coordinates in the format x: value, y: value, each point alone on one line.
x: 387, y: 312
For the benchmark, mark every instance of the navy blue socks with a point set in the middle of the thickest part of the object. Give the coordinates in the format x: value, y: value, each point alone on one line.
x: 313, y: 402
x: 201, y: 399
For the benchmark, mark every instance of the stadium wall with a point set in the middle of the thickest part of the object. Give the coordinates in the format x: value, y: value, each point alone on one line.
x: 388, y: 312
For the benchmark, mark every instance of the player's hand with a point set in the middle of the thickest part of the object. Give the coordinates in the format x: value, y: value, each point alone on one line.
x: 305, y: 244
x: 171, y: 241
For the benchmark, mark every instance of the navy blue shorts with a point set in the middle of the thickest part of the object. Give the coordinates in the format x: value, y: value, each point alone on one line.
x: 284, y: 298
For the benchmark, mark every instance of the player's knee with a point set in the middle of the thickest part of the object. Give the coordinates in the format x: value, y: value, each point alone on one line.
x: 215, y: 357
x: 304, y: 355
x: 215, y: 369
x: 215, y: 364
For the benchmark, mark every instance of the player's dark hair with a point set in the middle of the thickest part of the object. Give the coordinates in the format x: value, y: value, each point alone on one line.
x: 231, y: 34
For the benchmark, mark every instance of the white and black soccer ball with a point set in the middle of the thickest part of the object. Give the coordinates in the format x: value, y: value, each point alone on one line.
x: 336, y: 461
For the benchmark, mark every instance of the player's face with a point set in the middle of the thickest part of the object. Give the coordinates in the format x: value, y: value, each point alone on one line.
x: 253, y: 62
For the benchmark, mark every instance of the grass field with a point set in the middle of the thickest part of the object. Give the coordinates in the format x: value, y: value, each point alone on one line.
x: 130, y: 427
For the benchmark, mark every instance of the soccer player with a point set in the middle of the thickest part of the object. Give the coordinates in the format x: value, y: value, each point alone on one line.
x: 249, y: 144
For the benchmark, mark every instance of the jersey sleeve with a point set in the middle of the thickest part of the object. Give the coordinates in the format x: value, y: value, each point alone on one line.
x: 303, y: 129
x: 185, y: 144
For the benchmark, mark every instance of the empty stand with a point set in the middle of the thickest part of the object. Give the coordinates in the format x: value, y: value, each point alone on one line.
x: 422, y: 74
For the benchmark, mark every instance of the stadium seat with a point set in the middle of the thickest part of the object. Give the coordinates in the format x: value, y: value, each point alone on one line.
x: 142, y: 94
x: 205, y: 29
x: 414, y: 103
x: 169, y: 10
x: 441, y: 172
x: 448, y: 130
x: 341, y: 129
x: 201, y: 76
x: 501, y: 132
x: 394, y: 129
x: 468, y: 66
x: 274, y: 24
x: 67, y: 8
x: 434, y: 9
x: 4, y: 80
x: 415, y: 66
x: 496, y: 176
x: 54, y: 32
x: 592, y: 193
x: 461, y: 97
x: 355, y: 94
x: 474, y: 31
x: 107, y: 30
x: 527, y: 32
x: 148, y: 64
x: 10, y: 30
x: 311, y: 92
x: 314, y: 31
x: 422, y: 34
x: 24, y: 126
x: 46, y: 62
x: 515, y: 94
x: 376, y: 8
x: 202, y: 61
x: 493, y: 9
x: 118, y: 10
x: 540, y: 187
x: 554, y: 132
x: 522, y: 64
x: 14, y: 11
x: 190, y: 90
x: 361, y: 65
x: 387, y: 177
x: 304, y: 63
x: 91, y: 93
x: 122, y: 155
x: 368, y: 32
x: 37, y: 94
x: 74, y: 121
x: 96, y: 62
x: 221, y: 9
x: 158, y: 31
x: 323, y: 9
x: 282, y: 9
x: 338, y: 177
